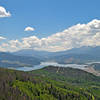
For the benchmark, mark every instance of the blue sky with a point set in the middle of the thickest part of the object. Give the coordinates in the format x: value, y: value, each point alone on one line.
x: 51, y: 25
x: 46, y: 16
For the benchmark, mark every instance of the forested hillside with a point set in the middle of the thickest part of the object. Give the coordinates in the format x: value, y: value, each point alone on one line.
x: 49, y: 83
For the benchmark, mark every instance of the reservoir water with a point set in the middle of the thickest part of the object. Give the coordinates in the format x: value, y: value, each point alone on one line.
x: 44, y: 64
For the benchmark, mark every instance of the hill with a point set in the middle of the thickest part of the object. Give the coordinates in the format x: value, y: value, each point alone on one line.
x: 48, y: 84
x: 10, y: 60
x: 70, y: 75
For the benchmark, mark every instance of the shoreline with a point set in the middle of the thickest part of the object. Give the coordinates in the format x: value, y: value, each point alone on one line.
x: 92, y: 70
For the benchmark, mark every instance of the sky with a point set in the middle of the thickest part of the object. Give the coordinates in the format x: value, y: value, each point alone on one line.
x: 51, y: 25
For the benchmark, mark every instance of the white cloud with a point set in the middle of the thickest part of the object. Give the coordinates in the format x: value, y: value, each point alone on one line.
x: 2, y: 38
x: 76, y: 36
x: 29, y: 29
x: 4, y: 13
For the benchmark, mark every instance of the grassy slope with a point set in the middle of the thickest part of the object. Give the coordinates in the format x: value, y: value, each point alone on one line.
x: 49, y: 83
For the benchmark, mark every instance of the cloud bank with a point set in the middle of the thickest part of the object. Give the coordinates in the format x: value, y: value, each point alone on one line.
x: 73, y: 37
x: 4, y: 13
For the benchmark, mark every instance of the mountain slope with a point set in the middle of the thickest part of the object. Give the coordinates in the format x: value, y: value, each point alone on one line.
x: 75, y: 55
x: 17, y: 85
x: 78, y: 55
x: 10, y: 60
x: 33, y: 53
x: 67, y: 74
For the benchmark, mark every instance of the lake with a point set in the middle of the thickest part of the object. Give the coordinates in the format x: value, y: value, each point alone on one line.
x: 43, y: 64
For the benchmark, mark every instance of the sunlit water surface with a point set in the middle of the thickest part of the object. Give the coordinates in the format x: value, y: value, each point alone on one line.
x: 44, y: 64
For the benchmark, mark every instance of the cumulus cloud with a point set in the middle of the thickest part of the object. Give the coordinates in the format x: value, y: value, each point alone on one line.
x: 76, y: 36
x: 2, y: 38
x: 4, y: 13
x: 29, y: 29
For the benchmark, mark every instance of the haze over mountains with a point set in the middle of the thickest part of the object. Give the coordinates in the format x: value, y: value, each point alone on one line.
x: 29, y: 57
x: 10, y: 60
x: 75, y: 55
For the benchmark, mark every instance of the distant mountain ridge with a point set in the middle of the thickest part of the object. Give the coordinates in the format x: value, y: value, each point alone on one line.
x: 33, y: 53
x: 29, y: 57
x: 75, y: 55
x: 11, y: 60
x: 81, y: 50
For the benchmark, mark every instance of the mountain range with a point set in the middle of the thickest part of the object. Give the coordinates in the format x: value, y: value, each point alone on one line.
x: 75, y: 55
x: 30, y: 57
x: 11, y: 60
x: 49, y: 83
